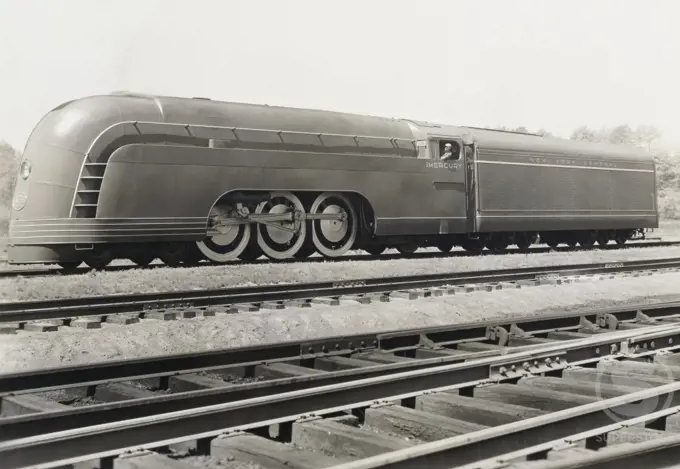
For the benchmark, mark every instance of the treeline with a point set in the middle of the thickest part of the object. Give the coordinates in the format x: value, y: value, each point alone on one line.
x: 9, y: 165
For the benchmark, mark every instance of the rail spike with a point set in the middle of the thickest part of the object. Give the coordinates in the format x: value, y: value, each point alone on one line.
x: 498, y: 334
x: 587, y: 326
x: 607, y: 321
x: 516, y: 331
x: 642, y: 318
x: 425, y: 341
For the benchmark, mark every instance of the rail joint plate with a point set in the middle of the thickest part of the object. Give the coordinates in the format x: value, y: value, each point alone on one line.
x: 163, y: 305
x: 540, y: 363
x: 338, y: 345
x: 655, y: 341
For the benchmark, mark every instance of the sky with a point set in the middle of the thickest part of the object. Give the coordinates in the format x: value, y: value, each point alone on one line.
x: 552, y: 64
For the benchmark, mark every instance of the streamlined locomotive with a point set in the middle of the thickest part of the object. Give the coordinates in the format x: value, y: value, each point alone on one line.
x: 143, y: 177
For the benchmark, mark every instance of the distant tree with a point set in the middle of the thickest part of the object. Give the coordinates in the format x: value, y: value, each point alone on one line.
x: 9, y: 165
x: 622, y: 134
x: 585, y: 133
x: 668, y: 171
x: 521, y: 129
x: 646, y: 135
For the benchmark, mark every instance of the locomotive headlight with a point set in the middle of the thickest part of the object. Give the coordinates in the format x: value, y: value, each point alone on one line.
x: 25, y: 169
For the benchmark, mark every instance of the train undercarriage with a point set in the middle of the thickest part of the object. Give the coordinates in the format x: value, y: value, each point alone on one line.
x: 284, y: 225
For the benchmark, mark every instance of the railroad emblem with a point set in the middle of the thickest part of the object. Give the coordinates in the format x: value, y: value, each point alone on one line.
x: 19, y: 201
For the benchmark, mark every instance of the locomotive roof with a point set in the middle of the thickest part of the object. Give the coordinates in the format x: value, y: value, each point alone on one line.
x: 517, y: 141
x: 202, y: 111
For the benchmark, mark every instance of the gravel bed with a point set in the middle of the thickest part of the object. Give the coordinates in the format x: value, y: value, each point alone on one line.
x: 86, y: 401
x: 169, y: 279
x: 231, y: 379
x: 153, y: 337
x: 211, y: 462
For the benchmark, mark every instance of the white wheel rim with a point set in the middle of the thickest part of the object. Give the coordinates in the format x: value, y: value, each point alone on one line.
x: 333, y: 231
x: 279, y: 236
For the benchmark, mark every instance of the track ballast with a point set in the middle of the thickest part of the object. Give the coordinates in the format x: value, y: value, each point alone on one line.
x: 89, y: 312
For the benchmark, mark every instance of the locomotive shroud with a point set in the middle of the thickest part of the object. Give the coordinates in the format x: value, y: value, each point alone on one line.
x: 136, y: 176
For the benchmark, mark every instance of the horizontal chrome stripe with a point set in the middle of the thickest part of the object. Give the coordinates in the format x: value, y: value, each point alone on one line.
x: 574, y: 215
x: 576, y: 212
x: 526, y: 155
x: 83, y: 230
x: 98, y: 231
x: 421, y: 218
x: 542, y: 165
x: 99, y: 221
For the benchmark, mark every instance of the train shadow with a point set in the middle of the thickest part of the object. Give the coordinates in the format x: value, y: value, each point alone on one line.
x: 362, y: 257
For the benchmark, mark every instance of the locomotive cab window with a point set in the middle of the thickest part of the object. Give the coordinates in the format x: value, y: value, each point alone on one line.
x: 449, y: 150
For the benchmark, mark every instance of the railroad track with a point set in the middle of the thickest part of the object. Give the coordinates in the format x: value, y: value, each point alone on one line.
x: 42, y: 272
x: 90, y: 312
x: 474, y: 396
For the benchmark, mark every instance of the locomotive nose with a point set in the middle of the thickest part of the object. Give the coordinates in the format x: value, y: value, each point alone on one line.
x: 55, y: 154
x: 46, y: 189
x: 50, y: 166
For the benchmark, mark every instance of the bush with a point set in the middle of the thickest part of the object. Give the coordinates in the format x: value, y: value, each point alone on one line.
x: 669, y: 205
x: 9, y: 165
x: 668, y: 211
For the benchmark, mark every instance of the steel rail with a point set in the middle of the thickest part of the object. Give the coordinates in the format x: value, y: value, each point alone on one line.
x: 148, y: 432
x: 504, y: 438
x: 25, y: 311
x: 44, y: 379
x: 33, y: 424
x: 24, y: 426
x: 662, y: 453
x: 502, y: 461
x: 43, y: 272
